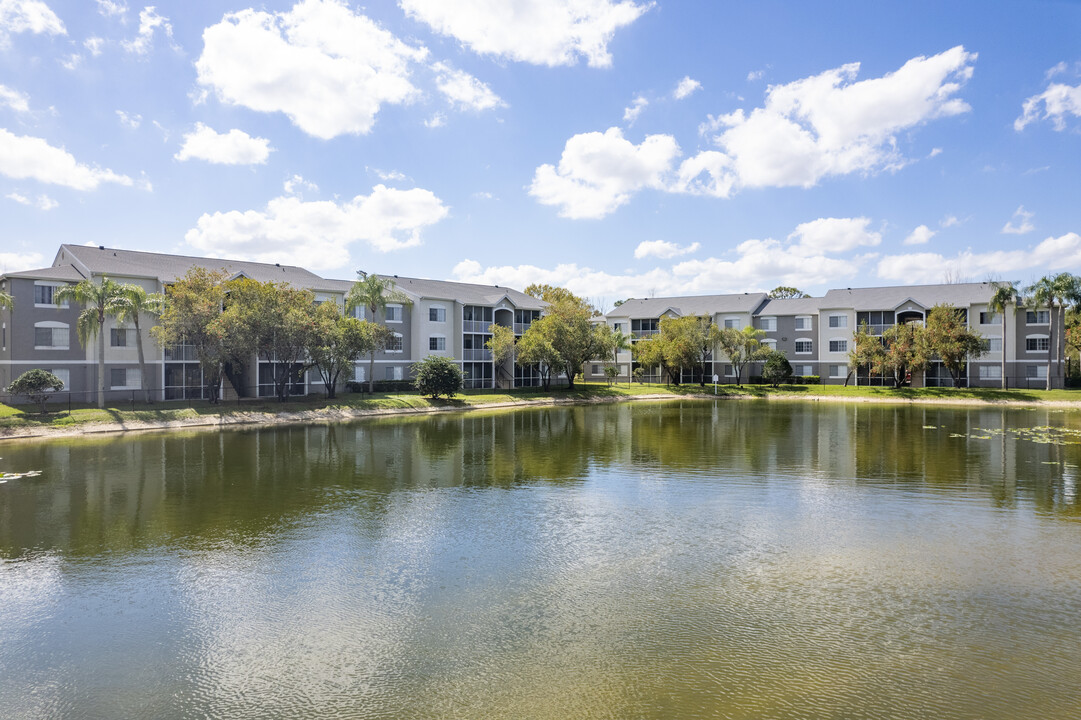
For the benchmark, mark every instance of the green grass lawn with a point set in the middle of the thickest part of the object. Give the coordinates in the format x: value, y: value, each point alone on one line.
x: 26, y: 416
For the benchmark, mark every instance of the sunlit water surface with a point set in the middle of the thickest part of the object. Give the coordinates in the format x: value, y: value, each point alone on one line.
x: 686, y: 560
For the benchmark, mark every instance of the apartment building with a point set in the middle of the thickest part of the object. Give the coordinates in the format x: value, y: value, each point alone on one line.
x: 816, y: 333
x: 439, y: 318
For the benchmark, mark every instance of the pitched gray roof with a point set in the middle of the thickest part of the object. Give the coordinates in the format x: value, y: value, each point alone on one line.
x: 689, y: 305
x: 62, y: 272
x: 887, y: 298
x: 791, y: 306
x: 465, y: 293
x: 167, y: 268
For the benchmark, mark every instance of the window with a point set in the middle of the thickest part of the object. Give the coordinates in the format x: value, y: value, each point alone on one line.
x: 394, y: 313
x: 804, y: 347
x: 118, y: 337
x: 437, y: 314
x: 617, y: 327
x: 992, y: 344
x: 359, y: 312
x: 1038, y: 317
x: 990, y: 318
x: 990, y: 372
x: 803, y: 370
x: 838, y: 321
x: 771, y: 344
x: 803, y: 322
x: 769, y: 324
x: 1037, y: 343
x: 732, y: 323
x: 62, y: 374
x: 395, y: 372
x: 729, y: 371
x: 358, y: 373
x: 838, y: 346
x: 437, y: 342
x: 1036, y: 372
x: 43, y: 295
x: 838, y: 371
x: 123, y: 378
x: 394, y: 345
x: 51, y: 336
x: 596, y: 370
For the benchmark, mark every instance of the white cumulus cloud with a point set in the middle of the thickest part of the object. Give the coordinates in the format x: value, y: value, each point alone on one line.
x: 463, y: 90
x: 94, y: 45
x: 23, y: 157
x: 1020, y: 223
x: 920, y: 236
x: 110, y: 8
x: 1058, y: 102
x: 34, y: 16
x: 663, y: 249
x: 235, y: 147
x: 14, y: 99
x: 832, y: 235
x: 631, y: 113
x: 43, y: 202
x: 686, y: 87
x: 328, y: 69
x: 15, y: 261
x: 318, y: 234
x: 542, y: 32
x: 131, y: 121
x: 149, y: 23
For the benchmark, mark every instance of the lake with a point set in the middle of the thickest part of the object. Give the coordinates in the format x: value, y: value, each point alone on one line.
x: 694, y: 559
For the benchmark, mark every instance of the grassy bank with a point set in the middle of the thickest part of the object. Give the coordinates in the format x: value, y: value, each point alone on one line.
x: 22, y: 419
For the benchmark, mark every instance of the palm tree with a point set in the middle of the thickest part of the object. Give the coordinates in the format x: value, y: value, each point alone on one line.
x: 1044, y: 293
x: 1067, y: 292
x: 95, y: 299
x: 1004, y: 298
x: 131, y: 302
x: 374, y: 293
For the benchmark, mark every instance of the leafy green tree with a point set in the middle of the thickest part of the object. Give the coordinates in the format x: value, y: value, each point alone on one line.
x: 193, y: 307
x: 1004, y: 299
x: 566, y: 329
x: 129, y: 304
x: 501, y: 343
x: 275, y: 320
x: 96, y: 299
x: 6, y: 301
x: 1053, y: 292
x: 867, y: 351
x: 777, y: 369
x: 1073, y: 342
x: 550, y: 293
x: 948, y: 336
x: 437, y: 375
x: 649, y: 353
x: 906, y: 351
x: 535, y: 348
x: 336, y: 341
x: 742, y: 347
x: 374, y: 293
x: 786, y: 292
x: 36, y: 385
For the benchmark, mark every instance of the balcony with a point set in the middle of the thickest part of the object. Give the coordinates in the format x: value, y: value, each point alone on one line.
x: 520, y: 328
x: 474, y: 355
x: 643, y: 334
x: 476, y: 326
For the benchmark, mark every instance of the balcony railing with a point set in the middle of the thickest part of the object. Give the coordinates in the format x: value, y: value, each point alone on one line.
x: 476, y: 355
x: 520, y: 328
x: 643, y: 334
x: 476, y: 326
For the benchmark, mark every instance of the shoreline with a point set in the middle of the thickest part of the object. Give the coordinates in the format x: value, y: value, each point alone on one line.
x: 325, y: 415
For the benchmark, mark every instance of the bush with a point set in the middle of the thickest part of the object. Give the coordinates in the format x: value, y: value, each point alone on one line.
x: 437, y: 376
x: 355, y: 387
x: 807, y: 380
x: 777, y: 369
x: 36, y: 385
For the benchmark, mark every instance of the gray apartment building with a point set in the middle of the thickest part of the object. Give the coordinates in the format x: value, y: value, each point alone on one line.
x: 816, y: 333
x: 440, y: 318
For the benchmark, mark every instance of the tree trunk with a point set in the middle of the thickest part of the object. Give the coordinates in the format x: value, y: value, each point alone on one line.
x: 1003, y: 348
x: 142, y: 360
x: 569, y: 372
x: 101, y: 364
x: 371, y: 372
x: 1050, y: 340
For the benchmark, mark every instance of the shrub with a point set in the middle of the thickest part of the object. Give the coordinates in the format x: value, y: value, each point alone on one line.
x: 437, y: 376
x: 777, y: 368
x: 807, y: 380
x: 36, y: 385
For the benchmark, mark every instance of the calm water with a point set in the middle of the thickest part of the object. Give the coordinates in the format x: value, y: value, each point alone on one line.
x: 733, y: 560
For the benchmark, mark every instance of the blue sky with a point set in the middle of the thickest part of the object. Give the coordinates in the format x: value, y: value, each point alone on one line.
x: 620, y: 149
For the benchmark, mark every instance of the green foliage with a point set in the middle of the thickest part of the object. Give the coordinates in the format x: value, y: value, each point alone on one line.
x: 611, y: 372
x: 901, y: 349
x: 785, y: 292
x: 682, y: 343
x: 96, y: 299
x: 374, y: 293
x: 336, y: 341
x: 947, y: 335
x: 437, y: 375
x: 535, y: 348
x: 130, y: 303
x: 1004, y: 302
x: 36, y: 385
x: 552, y: 294
x: 563, y: 339
x: 6, y: 301
x: 777, y: 369
x: 742, y: 347
x: 501, y: 343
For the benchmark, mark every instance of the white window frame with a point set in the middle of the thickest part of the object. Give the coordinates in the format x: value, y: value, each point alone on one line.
x: 804, y: 352
x: 401, y: 348
x: 804, y: 322
x: 127, y: 379
x: 996, y: 319
x: 359, y: 371
x: 437, y: 309
x: 55, y: 286
x: 736, y: 323
x: 1038, y: 337
x: 990, y: 372
x: 64, y: 374
x: 393, y: 306
x: 829, y: 345
x: 842, y: 321
x: 53, y: 325
x: 729, y: 370
x: 768, y: 323
x: 770, y: 343
x: 796, y: 370
x: 1041, y: 372
x: 990, y: 344
x: 1038, y: 321
x: 125, y: 330
x: 437, y: 337
x: 360, y: 312
x: 842, y: 371
x: 397, y: 371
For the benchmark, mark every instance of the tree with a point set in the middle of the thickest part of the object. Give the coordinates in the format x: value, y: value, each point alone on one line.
x: 742, y: 347
x: 1054, y: 292
x: 336, y: 341
x: 901, y: 350
x: 275, y: 320
x: 96, y: 299
x: 536, y: 348
x: 374, y: 293
x: 947, y: 335
x: 1004, y: 298
x: 6, y: 301
x: 784, y: 292
x: 550, y: 293
x: 777, y: 369
x: 36, y: 385
x: 193, y: 307
x: 501, y: 343
x: 570, y: 337
x: 867, y: 351
x: 650, y: 353
x: 131, y: 302
x: 437, y: 375
x: 1073, y: 340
